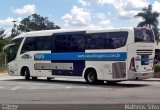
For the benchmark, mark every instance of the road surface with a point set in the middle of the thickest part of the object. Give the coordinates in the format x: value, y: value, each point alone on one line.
x: 16, y: 90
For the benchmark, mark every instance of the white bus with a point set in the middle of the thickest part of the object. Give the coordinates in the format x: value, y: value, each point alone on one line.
x: 95, y: 55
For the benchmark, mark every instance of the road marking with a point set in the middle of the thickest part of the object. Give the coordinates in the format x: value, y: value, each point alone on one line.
x: 15, y: 88
x: 83, y: 87
x: 75, y: 87
x: 33, y: 88
x: 2, y: 87
x: 68, y: 87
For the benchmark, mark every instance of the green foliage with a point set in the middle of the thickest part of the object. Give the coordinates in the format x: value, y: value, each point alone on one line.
x: 2, y: 58
x: 36, y: 22
x: 2, y: 62
x: 3, y: 68
x: 150, y: 18
x: 2, y: 34
x: 157, y: 68
x: 4, y: 42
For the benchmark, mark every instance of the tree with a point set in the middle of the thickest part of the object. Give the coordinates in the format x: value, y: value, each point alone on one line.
x: 2, y: 34
x: 3, y: 39
x: 150, y: 19
x: 36, y: 22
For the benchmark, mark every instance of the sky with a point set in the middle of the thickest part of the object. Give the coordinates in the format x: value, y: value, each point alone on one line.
x: 76, y: 13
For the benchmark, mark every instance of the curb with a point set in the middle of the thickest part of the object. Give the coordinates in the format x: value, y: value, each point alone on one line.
x: 1, y: 74
x: 152, y: 79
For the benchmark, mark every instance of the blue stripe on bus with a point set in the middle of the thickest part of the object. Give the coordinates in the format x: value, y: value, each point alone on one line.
x: 111, y: 56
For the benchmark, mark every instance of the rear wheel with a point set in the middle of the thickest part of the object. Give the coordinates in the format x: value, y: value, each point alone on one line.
x: 91, y: 77
x: 100, y: 82
x: 49, y: 78
x: 111, y: 82
x: 26, y: 74
x: 34, y: 78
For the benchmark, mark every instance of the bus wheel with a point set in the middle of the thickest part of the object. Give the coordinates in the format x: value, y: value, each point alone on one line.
x: 26, y: 74
x: 91, y: 77
x: 48, y: 78
x: 111, y: 82
x: 34, y: 78
x: 100, y: 82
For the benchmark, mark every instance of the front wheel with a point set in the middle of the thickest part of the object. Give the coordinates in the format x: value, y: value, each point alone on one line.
x: 111, y: 82
x: 91, y: 77
x: 34, y: 78
x: 26, y: 74
x: 49, y: 78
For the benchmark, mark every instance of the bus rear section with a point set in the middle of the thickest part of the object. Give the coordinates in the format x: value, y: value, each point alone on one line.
x: 141, y: 55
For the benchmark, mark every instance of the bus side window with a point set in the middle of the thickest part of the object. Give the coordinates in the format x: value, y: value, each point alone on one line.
x: 110, y: 44
x: 76, y: 42
x: 60, y: 43
x: 29, y: 45
x: 43, y: 43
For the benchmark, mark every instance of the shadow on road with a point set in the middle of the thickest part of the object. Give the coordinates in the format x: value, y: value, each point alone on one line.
x: 128, y: 84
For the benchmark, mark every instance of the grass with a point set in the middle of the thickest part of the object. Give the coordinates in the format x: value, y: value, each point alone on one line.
x: 3, y: 68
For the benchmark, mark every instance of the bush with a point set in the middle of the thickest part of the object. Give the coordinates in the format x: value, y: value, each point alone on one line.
x: 4, y: 42
x: 2, y: 58
x: 2, y: 62
x: 157, y: 68
x: 3, y: 68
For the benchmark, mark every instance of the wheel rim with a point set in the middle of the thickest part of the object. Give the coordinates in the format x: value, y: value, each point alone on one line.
x: 25, y: 73
x: 91, y: 77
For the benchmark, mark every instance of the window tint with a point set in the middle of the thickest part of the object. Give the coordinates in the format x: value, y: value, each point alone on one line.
x: 11, y: 52
x: 143, y: 35
x: 36, y: 44
x: 144, y: 59
x: 18, y: 41
x: 110, y: 40
x: 60, y: 43
x: 69, y: 43
x: 43, y: 43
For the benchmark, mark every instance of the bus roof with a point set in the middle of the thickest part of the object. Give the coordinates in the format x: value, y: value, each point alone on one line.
x: 51, y: 32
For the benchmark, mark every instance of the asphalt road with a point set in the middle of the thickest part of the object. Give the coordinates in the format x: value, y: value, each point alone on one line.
x: 15, y: 90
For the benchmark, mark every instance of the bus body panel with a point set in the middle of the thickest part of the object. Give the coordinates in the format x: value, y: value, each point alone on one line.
x: 143, y: 66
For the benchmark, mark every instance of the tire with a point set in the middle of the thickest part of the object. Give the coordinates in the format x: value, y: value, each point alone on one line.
x: 91, y: 77
x: 111, y: 82
x: 26, y: 74
x: 48, y: 78
x: 34, y: 78
x: 100, y: 82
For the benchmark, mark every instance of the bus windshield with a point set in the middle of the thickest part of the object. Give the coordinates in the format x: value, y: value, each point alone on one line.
x: 11, y: 49
x: 143, y: 35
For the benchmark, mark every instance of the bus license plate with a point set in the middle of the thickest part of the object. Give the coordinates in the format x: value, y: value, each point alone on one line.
x: 145, y: 74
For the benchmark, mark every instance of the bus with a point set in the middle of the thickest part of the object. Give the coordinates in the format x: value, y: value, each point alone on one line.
x: 110, y: 55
